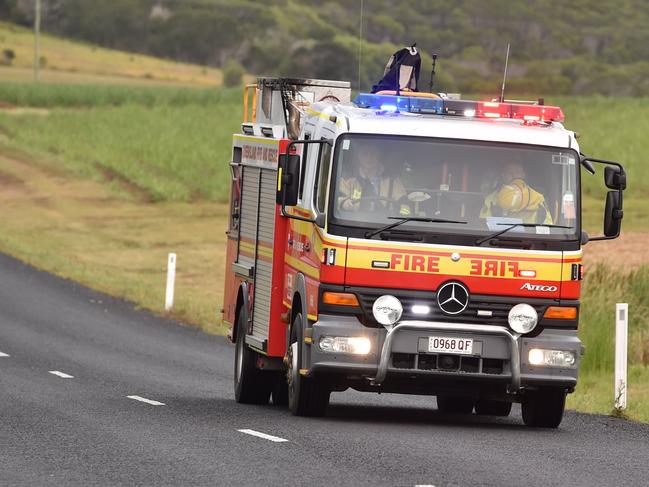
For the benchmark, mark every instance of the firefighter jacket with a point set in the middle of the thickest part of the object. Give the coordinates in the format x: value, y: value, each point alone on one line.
x: 358, y: 193
x: 517, y: 200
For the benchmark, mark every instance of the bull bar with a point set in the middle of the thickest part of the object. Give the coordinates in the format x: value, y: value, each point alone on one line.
x: 512, y: 338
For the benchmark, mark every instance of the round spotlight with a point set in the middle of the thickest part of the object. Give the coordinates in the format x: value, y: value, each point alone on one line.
x: 523, y: 318
x: 387, y: 310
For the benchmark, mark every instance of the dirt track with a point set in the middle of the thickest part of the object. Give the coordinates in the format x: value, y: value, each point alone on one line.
x: 627, y: 252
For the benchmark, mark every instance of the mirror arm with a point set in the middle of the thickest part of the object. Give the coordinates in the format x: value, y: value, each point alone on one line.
x: 587, y: 165
x: 593, y: 239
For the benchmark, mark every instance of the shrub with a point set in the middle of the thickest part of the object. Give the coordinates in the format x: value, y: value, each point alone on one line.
x: 8, y: 55
x: 233, y: 73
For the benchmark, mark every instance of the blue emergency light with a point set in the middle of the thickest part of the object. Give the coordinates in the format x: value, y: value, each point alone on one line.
x: 393, y: 103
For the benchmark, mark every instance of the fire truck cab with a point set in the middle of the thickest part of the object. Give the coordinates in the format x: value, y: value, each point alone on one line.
x: 407, y: 243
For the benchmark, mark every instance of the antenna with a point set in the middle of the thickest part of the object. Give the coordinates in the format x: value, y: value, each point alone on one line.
x: 502, y: 91
x: 432, y: 73
x: 360, y: 47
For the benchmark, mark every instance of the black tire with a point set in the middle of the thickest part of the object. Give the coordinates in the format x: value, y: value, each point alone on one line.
x: 488, y: 407
x: 455, y: 405
x: 251, y: 385
x: 544, y: 408
x: 279, y: 394
x: 306, y: 395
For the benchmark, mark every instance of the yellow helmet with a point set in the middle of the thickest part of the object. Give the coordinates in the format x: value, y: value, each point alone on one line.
x: 513, y: 196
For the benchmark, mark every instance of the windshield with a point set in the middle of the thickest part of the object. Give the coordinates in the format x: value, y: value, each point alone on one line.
x: 482, y: 187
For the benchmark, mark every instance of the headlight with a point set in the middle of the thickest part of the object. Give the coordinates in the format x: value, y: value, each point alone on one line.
x: 523, y: 318
x: 551, y: 358
x: 387, y: 310
x: 355, y: 345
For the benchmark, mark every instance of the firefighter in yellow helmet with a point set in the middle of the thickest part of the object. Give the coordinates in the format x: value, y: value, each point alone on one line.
x: 371, y: 189
x: 514, y: 198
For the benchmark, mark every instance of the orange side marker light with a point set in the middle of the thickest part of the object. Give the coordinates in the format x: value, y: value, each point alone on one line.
x: 339, y: 299
x: 561, y: 313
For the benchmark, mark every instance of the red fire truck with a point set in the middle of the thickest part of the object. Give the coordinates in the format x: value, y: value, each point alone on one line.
x: 407, y: 243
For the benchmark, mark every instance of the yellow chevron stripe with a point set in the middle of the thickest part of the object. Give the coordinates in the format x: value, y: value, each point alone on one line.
x: 302, y: 266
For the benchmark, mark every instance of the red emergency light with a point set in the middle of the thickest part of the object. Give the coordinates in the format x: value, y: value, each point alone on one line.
x: 492, y: 109
x: 528, y: 113
x: 537, y: 113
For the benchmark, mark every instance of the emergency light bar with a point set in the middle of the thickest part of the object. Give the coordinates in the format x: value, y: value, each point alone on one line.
x: 462, y: 108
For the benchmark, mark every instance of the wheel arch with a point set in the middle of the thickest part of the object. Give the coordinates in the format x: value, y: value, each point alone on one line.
x: 298, y: 304
x: 243, y: 301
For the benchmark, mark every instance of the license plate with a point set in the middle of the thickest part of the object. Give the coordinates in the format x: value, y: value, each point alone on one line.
x: 460, y: 346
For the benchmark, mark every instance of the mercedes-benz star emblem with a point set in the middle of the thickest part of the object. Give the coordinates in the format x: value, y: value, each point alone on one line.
x: 452, y: 298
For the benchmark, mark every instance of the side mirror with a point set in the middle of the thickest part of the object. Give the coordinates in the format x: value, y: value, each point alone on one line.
x: 288, y: 183
x: 614, y: 178
x: 613, y: 213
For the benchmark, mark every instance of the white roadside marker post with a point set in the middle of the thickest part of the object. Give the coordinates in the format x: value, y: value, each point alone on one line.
x: 621, y: 338
x: 171, y: 278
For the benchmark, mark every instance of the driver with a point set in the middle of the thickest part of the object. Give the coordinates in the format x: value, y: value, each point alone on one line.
x: 370, y: 188
x: 514, y: 198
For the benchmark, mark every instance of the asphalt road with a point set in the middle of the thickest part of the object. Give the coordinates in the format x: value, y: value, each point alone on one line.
x: 85, y: 430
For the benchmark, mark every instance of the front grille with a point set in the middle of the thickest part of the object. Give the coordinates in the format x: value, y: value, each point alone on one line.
x: 448, y: 363
x: 498, y: 306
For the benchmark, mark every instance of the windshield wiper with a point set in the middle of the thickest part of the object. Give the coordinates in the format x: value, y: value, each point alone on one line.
x: 480, y: 241
x: 405, y: 219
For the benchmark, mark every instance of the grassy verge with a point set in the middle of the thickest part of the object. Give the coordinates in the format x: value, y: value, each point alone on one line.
x: 594, y: 394
x: 603, y: 287
x: 113, y: 241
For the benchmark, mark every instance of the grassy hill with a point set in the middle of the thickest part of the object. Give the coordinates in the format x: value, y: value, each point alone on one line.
x: 583, y: 47
x: 67, y: 61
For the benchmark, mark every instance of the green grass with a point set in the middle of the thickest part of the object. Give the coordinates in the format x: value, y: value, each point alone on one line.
x: 614, y: 129
x: 594, y: 393
x: 86, y: 96
x: 167, y: 144
x: 603, y: 287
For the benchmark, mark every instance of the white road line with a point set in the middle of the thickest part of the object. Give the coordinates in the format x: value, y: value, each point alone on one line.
x: 62, y: 375
x: 4, y: 354
x: 276, y: 439
x: 148, y: 401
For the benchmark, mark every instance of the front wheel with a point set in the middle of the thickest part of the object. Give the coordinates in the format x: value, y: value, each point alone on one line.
x: 544, y: 408
x: 251, y: 385
x: 306, y: 395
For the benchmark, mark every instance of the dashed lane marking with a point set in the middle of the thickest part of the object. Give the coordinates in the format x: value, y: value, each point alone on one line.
x: 148, y: 401
x: 258, y: 434
x: 62, y: 375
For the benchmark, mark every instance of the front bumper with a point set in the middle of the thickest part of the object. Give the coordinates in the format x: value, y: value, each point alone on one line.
x: 493, y: 344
